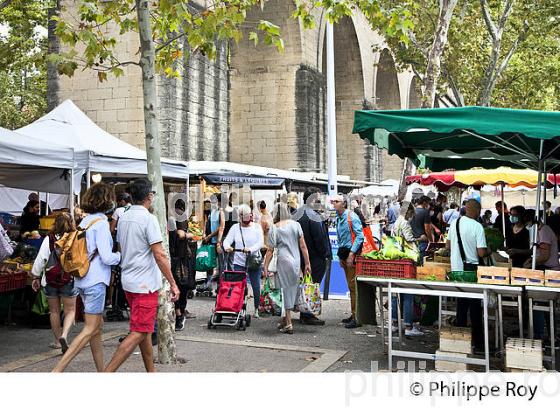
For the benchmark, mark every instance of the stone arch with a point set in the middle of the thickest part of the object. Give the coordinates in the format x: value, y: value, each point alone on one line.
x: 386, y: 97
x: 349, y: 87
x: 263, y: 92
x: 414, y: 94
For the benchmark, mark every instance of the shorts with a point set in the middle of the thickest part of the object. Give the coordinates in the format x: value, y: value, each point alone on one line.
x: 94, y: 298
x: 67, y: 291
x: 143, y: 311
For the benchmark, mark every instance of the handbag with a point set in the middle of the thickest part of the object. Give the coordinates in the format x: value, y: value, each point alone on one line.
x: 369, y: 244
x: 309, y: 296
x: 205, y: 258
x: 254, y: 259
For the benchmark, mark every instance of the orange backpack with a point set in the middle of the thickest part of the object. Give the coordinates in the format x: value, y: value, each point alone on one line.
x: 73, y: 251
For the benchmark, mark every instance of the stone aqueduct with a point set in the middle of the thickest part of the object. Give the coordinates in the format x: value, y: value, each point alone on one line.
x: 256, y: 106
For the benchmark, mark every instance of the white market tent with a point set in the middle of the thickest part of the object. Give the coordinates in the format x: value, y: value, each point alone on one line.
x: 31, y: 163
x: 100, y: 151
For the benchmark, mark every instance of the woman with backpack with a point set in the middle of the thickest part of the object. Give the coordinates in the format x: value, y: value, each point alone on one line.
x: 57, y: 284
x: 92, y: 287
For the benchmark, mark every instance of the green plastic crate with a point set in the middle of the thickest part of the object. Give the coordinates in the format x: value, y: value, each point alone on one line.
x: 463, y: 276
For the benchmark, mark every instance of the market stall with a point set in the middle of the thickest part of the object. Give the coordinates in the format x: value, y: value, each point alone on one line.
x: 99, y: 151
x: 461, y: 138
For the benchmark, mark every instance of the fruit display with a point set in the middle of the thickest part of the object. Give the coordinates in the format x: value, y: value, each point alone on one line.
x: 194, y: 229
x: 31, y: 235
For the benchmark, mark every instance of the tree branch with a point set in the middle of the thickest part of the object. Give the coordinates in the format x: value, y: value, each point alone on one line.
x: 168, y: 42
x: 505, y: 16
x: 520, y: 38
x: 5, y: 4
x: 488, y: 19
x: 459, y: 99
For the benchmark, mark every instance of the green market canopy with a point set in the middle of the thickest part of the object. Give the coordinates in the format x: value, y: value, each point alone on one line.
x: 464, y: 137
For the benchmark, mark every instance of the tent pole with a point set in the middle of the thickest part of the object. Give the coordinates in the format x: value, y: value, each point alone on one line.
x: 503, y: 215
x: 46, y: 203
x: 545, y: 181
x: 88, y: 179
x: 536, y: 223
x: 72, y: 193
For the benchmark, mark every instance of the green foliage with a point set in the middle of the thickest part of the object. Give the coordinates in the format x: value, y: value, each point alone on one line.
x: 23, y: 50
x: 174, y: 21
x: 531, y: 78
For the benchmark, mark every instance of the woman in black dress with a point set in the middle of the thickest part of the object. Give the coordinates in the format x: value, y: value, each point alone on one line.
x: 518, y: 240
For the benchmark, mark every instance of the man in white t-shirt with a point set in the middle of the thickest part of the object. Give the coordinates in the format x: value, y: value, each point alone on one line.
x: 467, y: 242
x: 143, y: 262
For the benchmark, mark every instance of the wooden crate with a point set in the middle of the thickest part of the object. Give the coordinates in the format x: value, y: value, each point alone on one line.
x: 455, y: 340
x: 493, y: 275
x: 442, y: 259
x: 524, y: 354
x: 446, y: 366
x: 552, y: 278
x: 433, y: 271
x: 522, y: 277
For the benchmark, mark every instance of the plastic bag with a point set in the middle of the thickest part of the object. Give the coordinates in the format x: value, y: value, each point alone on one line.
x: 271, y: 300
x: 41, y: 304
x: 205, y: 258
x: 309, y: 297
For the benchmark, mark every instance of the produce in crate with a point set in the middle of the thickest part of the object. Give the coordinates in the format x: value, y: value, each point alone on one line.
x: 392, y: 249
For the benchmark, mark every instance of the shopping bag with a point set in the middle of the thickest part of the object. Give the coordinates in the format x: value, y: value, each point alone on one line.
x: 205, y: 258
x: 309, y: 297
x: 41, y: 304
x: 271, y: 299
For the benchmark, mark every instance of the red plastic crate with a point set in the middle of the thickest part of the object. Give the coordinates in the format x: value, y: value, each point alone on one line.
x: 4, y: 282
x: 403, y: 269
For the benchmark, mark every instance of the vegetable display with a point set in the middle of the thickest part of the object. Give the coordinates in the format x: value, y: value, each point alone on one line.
x: 392, y: 249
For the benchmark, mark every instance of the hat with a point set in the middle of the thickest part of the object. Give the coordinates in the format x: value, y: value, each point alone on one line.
x: 292, y: 200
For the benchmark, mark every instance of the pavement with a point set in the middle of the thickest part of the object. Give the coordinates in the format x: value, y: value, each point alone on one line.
x: 261, y: 348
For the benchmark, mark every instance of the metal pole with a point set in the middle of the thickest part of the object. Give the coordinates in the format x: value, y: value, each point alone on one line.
x: 390, y: 331
x: 503, y: 215
x: 331, y: 113
x: 545, y: 181
x: 327, y: 280
x: 88, y: 179
x: 72, y: 193
x: 46, y: 203
x: 486, y: 342
x: 536, y: 226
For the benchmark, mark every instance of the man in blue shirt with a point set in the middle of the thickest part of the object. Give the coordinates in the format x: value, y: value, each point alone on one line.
x: 350, y: 241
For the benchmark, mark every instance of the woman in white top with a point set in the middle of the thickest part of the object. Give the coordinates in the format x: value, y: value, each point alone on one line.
x: 97, y: 201
x: 61, y: 289
x: 247, y: 238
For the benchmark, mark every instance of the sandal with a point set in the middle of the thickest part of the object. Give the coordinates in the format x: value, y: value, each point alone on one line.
x: 287, y: 329
x: 53, y: 345
x: 63, y: 344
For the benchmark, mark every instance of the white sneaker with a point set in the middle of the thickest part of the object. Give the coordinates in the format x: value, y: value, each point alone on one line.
x: 413, y: 332
x: 256, y: 315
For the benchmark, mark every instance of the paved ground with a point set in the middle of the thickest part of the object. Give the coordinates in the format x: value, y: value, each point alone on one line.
x: 261, y: 348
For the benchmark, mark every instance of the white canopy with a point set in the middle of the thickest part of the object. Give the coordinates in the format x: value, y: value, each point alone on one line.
x: 30, y: 163
x: 68, y: 126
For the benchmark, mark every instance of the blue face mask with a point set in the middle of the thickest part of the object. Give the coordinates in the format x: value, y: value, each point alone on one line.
x: 514, y: 219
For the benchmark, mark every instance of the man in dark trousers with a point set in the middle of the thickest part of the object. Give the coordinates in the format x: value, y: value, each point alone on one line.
x: 317, y: 241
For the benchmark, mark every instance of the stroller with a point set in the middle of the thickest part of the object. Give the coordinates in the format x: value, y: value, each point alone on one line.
x: 231, y: 302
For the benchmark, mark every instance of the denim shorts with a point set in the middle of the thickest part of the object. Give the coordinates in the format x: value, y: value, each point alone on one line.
x: 67, y: 291
x: 94, y: 298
